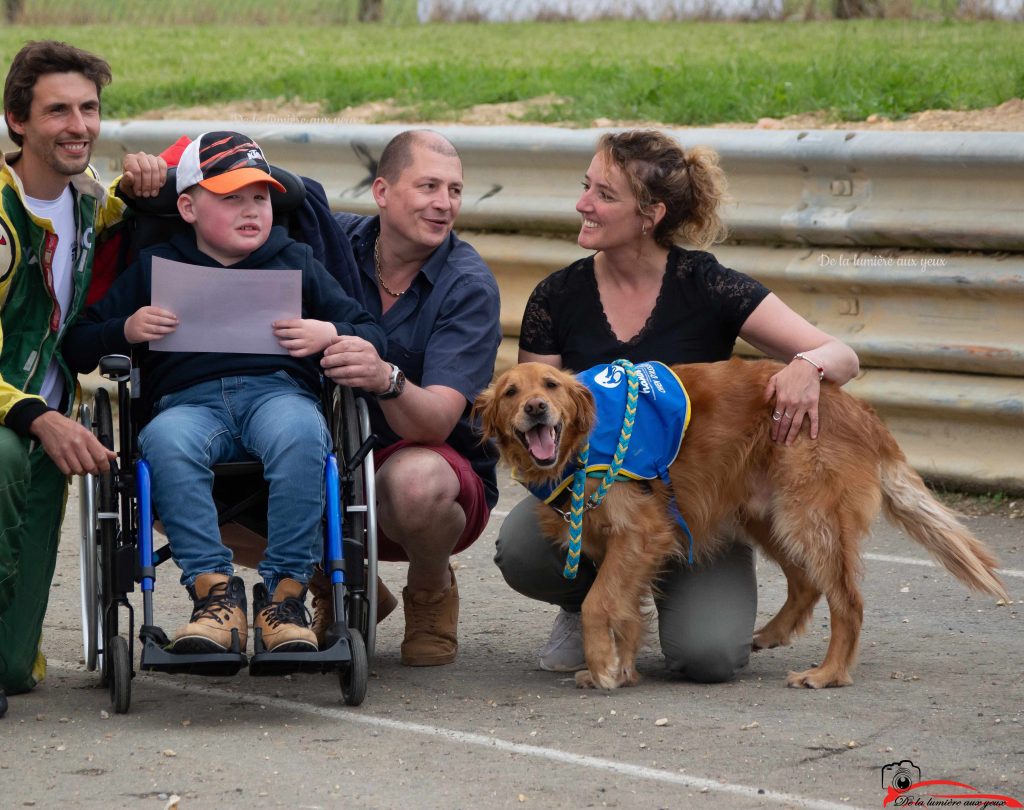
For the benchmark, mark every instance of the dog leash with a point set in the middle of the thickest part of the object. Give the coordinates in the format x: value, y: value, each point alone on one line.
x: 578, y: 505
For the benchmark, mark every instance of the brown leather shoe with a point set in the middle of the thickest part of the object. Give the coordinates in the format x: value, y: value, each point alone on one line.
x: 431, y: 626
x: 219, y: 609
x: 323, y: 604
x: 281, y: 619
x: 386, y: 601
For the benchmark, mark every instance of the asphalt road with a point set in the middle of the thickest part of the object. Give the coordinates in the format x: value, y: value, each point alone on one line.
x: 939, y: 683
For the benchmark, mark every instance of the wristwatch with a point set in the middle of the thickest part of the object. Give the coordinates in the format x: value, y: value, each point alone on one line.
x: 397, y: 384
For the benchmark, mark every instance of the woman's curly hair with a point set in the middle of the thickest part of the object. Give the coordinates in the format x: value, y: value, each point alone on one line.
x: 689, y: 182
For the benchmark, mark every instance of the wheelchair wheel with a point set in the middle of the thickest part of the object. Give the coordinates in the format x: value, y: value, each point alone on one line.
x: 119, y: 678
x: 99, y: 532
x: 88, y: 558
x: 353, y: 678
x: 107, y: 511
x: 369, y: 480
x: 352, y: 422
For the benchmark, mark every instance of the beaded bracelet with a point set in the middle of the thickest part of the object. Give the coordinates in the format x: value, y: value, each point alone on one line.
x: 820, y: 369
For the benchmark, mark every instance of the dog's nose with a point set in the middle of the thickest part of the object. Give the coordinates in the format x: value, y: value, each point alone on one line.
x: 535, y: 407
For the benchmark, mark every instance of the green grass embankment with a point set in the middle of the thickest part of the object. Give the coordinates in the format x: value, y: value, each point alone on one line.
x: 673, y: 73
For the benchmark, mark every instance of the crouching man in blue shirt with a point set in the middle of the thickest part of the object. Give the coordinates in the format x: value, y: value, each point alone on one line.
x: 438, y: 304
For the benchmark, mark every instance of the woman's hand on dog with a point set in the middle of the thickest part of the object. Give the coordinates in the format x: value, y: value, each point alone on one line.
x: 795, y: 390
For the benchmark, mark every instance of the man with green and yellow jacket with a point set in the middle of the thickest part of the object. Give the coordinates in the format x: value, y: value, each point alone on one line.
x: 52, y: 208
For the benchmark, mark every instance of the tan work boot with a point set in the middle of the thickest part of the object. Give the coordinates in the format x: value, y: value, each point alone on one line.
x: 219, y: 609
x: 281, y: 619
x: 323, y: 605
x: 431, y: 626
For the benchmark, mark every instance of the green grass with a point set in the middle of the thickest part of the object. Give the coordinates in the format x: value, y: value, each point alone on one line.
x: 203, y: 12
x: 675, y: 73
x: 331, y: 12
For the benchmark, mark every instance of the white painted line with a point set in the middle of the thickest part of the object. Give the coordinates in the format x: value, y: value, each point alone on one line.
x: 483, y: 741
x: 1006, y: 572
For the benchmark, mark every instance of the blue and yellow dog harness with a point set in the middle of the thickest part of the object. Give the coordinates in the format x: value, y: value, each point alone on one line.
x: 642, y: 415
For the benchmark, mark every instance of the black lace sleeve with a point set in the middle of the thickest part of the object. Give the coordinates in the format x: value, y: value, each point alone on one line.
x: 537, y: 332
x: 736, y: 294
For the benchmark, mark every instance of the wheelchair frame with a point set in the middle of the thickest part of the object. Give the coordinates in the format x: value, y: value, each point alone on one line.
x: 117, y: 552
x: 117, y: 540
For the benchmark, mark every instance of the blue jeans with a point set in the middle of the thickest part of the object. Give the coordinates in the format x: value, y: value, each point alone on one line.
x: 268, y: 417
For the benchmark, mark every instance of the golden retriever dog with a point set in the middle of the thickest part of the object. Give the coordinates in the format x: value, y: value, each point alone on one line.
x: 806, y: 505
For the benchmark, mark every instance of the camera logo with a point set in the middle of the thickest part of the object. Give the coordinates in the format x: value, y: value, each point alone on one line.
x: 900, y: 775
x: 904, y: 788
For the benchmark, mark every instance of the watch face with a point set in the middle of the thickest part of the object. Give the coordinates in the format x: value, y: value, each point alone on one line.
x: 397, y: 383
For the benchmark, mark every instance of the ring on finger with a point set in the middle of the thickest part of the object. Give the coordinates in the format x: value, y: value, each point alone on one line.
x: 776, y: 416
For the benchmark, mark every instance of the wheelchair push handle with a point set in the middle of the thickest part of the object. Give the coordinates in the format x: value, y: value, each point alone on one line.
x: 116, y: 367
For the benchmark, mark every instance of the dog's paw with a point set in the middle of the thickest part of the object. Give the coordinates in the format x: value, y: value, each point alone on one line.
x: 818, y: 678
x: 584, y: 680
x: 766, y: 641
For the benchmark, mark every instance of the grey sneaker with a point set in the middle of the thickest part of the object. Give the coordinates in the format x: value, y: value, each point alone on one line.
x: 564, y: 650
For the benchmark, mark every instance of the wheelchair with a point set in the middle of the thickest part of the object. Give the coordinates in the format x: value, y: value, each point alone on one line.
x: 117, y: 540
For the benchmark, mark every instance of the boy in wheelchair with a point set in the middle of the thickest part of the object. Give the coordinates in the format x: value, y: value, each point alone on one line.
x: 214, y: 407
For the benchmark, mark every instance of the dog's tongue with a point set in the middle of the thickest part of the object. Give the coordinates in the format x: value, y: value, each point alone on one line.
x: 541, y: 441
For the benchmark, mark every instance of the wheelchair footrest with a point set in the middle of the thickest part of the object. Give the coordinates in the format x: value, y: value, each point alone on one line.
x: 334, y: 657
x: 155, y: 657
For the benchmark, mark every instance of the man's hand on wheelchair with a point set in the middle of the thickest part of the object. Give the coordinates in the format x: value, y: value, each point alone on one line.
x: 354, y: 362
x: 71, y: 446
x: 143, y: 175
x: 301, y: 337
x: 148, y: 324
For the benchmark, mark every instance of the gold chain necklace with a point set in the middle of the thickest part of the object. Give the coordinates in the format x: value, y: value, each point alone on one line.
x: 380, y: 278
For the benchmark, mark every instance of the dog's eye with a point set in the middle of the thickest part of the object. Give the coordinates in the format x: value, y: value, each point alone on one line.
x: 550, y: 383
x: 511, y: 391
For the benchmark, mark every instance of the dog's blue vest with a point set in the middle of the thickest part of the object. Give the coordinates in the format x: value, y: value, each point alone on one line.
x: 662, y: 416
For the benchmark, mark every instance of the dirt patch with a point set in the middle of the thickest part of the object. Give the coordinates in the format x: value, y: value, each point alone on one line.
x: 259, y: 110
x: 996, y: 503
x: 384, y: 111
x: 511, y: 112
x: 1007, y: 117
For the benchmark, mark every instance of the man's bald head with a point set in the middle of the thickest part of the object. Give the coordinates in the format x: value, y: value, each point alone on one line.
x: 398, y: 154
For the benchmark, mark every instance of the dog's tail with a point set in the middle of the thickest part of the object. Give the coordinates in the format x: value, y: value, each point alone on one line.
x: 909, y: 504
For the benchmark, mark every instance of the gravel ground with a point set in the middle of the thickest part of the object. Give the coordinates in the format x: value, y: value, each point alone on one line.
x: 939, y: 683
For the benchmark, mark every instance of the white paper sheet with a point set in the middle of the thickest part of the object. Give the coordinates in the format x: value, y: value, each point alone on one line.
x: 224, y: 310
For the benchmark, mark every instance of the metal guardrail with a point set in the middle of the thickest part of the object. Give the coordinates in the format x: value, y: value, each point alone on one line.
x: 960, y: 430
x: 817, y: 216
x: 897, y: 309
x: 815, y: 187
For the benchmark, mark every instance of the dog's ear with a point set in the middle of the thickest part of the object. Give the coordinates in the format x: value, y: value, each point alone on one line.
x: 583, y: 404
x: 484, y: 410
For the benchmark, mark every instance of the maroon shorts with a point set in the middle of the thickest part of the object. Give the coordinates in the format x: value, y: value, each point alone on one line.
x: 471, y: 498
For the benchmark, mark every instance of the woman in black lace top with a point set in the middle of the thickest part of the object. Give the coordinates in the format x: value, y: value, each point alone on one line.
x: 641, y: 297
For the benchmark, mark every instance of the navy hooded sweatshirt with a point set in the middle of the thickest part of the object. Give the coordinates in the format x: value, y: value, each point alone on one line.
x: 100, y: 329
